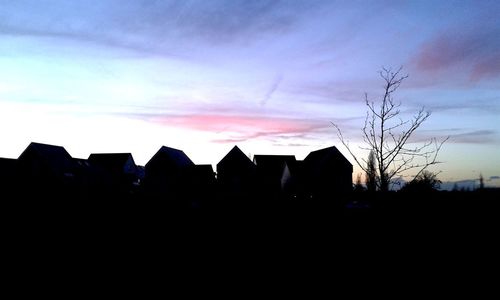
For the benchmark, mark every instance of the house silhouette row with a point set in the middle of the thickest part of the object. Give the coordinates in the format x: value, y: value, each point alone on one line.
x: 171, y: 175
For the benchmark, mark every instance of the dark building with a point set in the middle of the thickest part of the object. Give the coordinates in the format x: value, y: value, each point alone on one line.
x: 326, y: 173
x: 46, y: 168
x: 167, y: 174
x: 119, y: 170
x: 236, y: 175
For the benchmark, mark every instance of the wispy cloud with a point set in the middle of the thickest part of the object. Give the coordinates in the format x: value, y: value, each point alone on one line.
x: 153, y: 26
x: 483, y: 105
x: 240, y: 128
x: 475, y: 137
x: 458, y: 136
x: 473, y: 52
x: 236, y: 128
x: 274, y: 86
x: 330, y: 91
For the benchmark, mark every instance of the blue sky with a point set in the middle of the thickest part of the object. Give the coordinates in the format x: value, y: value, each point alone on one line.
x: 269, y: 76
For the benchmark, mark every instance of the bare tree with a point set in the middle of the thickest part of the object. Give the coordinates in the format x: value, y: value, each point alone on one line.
x: 387, y: 135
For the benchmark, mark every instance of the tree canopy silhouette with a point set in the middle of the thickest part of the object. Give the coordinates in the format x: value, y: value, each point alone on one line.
x: 426, y: 181
x: 387, y: 136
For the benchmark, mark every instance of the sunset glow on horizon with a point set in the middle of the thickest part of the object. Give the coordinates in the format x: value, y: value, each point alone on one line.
x: 268, y: 76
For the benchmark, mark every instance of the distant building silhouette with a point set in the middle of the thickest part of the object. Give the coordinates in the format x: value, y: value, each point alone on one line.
x: 236, y: 175
x: 167, y: 174
x: 46, y: 168
x: 172, y: 177
x: 119, y: 168
x: 326, y: 173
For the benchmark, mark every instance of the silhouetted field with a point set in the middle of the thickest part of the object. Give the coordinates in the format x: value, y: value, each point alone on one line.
x: 155, y: 208
x: 120, y: 231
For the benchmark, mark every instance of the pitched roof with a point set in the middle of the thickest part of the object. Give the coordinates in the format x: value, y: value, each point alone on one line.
x: 171, y: 156
x: 55, y: 156
x: 114, y: 162
x: 236, y: 158
x: 318, y: 158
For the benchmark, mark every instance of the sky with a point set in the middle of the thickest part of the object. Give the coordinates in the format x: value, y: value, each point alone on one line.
x: 269, y: 76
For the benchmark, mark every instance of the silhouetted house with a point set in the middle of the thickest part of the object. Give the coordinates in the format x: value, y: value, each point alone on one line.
x: 236, y: 175
x: 120, y: 168
x: 273, y: 173
x: 326, y: 173
x: 46, y: 168
x: 168, y: 174
x: 8, y: 175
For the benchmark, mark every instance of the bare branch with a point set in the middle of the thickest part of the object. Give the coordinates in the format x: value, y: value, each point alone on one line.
x: 386, y: 135
x: 346, y: 144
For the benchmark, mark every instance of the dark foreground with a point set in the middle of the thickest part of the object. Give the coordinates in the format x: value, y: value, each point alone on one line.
x: 141, y: 238
x: 122, y: 210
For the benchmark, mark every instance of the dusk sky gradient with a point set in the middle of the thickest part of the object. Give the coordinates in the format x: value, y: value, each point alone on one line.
x: 268, y: 76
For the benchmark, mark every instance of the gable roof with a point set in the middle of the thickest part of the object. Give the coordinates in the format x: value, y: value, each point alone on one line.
x: 237, y: 159
x: 113, y: 162
x: 56, y: 157
x: 171, y: 156
x: 318, y: 158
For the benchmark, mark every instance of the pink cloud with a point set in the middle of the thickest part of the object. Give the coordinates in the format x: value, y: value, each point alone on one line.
x: 489, y: 67
x: 241, y: 128
x: 473, y: 54
x: 439, y: 53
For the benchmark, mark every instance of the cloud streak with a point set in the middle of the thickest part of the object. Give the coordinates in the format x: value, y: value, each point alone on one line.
x: 238, y: 128
x: 272, y: 89
x: 474, y: 52
x: 458, y: 136
x: 154, y: 26
x: 475, y: 137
